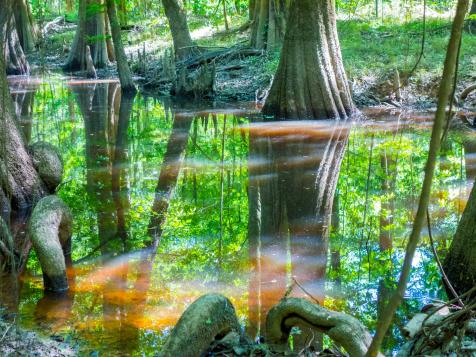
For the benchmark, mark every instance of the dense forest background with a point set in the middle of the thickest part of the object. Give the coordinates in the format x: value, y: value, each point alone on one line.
x: 245, y: 178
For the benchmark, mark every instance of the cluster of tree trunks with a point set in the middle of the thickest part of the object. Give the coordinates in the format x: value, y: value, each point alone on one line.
x: 92, y: 47
x: 19, y: 35
x: 91, y: 31
x: 268, y: 23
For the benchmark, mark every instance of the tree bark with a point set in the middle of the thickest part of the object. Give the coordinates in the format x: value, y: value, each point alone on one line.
x: 122, y: 13
x: 20, y: 184
x: 310, y: 82
x: 183, y: 44
x: 69, y: 6
x: 25, y: 25
x: 110, y: 46
x: 50, y: 229
x: 91, y: 31
x: 125, y: 75
x: 269, y: 23
x: 16, y: 63
x: 460, y: 263
x: 207, y: 318
x: 444, y: 93
x: 251, y: 9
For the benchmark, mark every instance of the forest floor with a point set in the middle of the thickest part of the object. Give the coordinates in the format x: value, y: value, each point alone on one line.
x: 15, y: 341
x: 373, y: 53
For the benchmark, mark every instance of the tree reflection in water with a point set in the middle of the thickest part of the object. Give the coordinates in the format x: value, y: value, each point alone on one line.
x: 293, y: 172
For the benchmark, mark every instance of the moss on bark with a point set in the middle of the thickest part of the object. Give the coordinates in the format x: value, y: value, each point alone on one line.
x: 211, y: 316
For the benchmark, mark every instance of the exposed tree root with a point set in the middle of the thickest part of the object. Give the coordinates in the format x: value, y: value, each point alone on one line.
x: 210, y: 325
x: 345, y: 330
x: 467, y: 91
x: 50, y: 230
x: 210, y: 317
x: 48, y: 163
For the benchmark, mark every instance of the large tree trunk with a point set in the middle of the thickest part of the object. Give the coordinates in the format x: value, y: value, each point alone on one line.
x: 20, y: 184
x: 15, y: 59
x: 25, y: 25
x: 177, y: 18
x: 91, y: 31
x: 69, y: 6
x: 310, y: 81
x: 460, y: 263
x: 269, y: 23
x: 125, y: 75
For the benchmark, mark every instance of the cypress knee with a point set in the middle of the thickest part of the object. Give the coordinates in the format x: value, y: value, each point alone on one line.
x: 50, y: 230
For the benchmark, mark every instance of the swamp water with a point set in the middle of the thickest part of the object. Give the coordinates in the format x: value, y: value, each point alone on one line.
x: 175, y: 200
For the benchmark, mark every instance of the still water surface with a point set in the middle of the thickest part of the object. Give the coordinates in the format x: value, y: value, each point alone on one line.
x: 174, y: 200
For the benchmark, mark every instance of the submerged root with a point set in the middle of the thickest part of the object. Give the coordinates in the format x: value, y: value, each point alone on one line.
x: 50, y: 230
x: 210, y: 317
x: 48, y: 163
x: 343, y: 329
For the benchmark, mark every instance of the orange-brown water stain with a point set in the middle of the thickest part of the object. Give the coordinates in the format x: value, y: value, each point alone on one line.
x: 113, y: 296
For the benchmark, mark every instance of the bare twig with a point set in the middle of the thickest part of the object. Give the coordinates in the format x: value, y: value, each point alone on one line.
x: 446, y: 88
x: 305, y: 291
x: 438, y: 262
x: 6, y: 331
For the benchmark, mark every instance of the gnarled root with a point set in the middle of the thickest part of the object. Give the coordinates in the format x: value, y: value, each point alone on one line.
x: 48, y: 163
x: 50, y: 229
x: 342, y: 328
x: 210, y: 317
